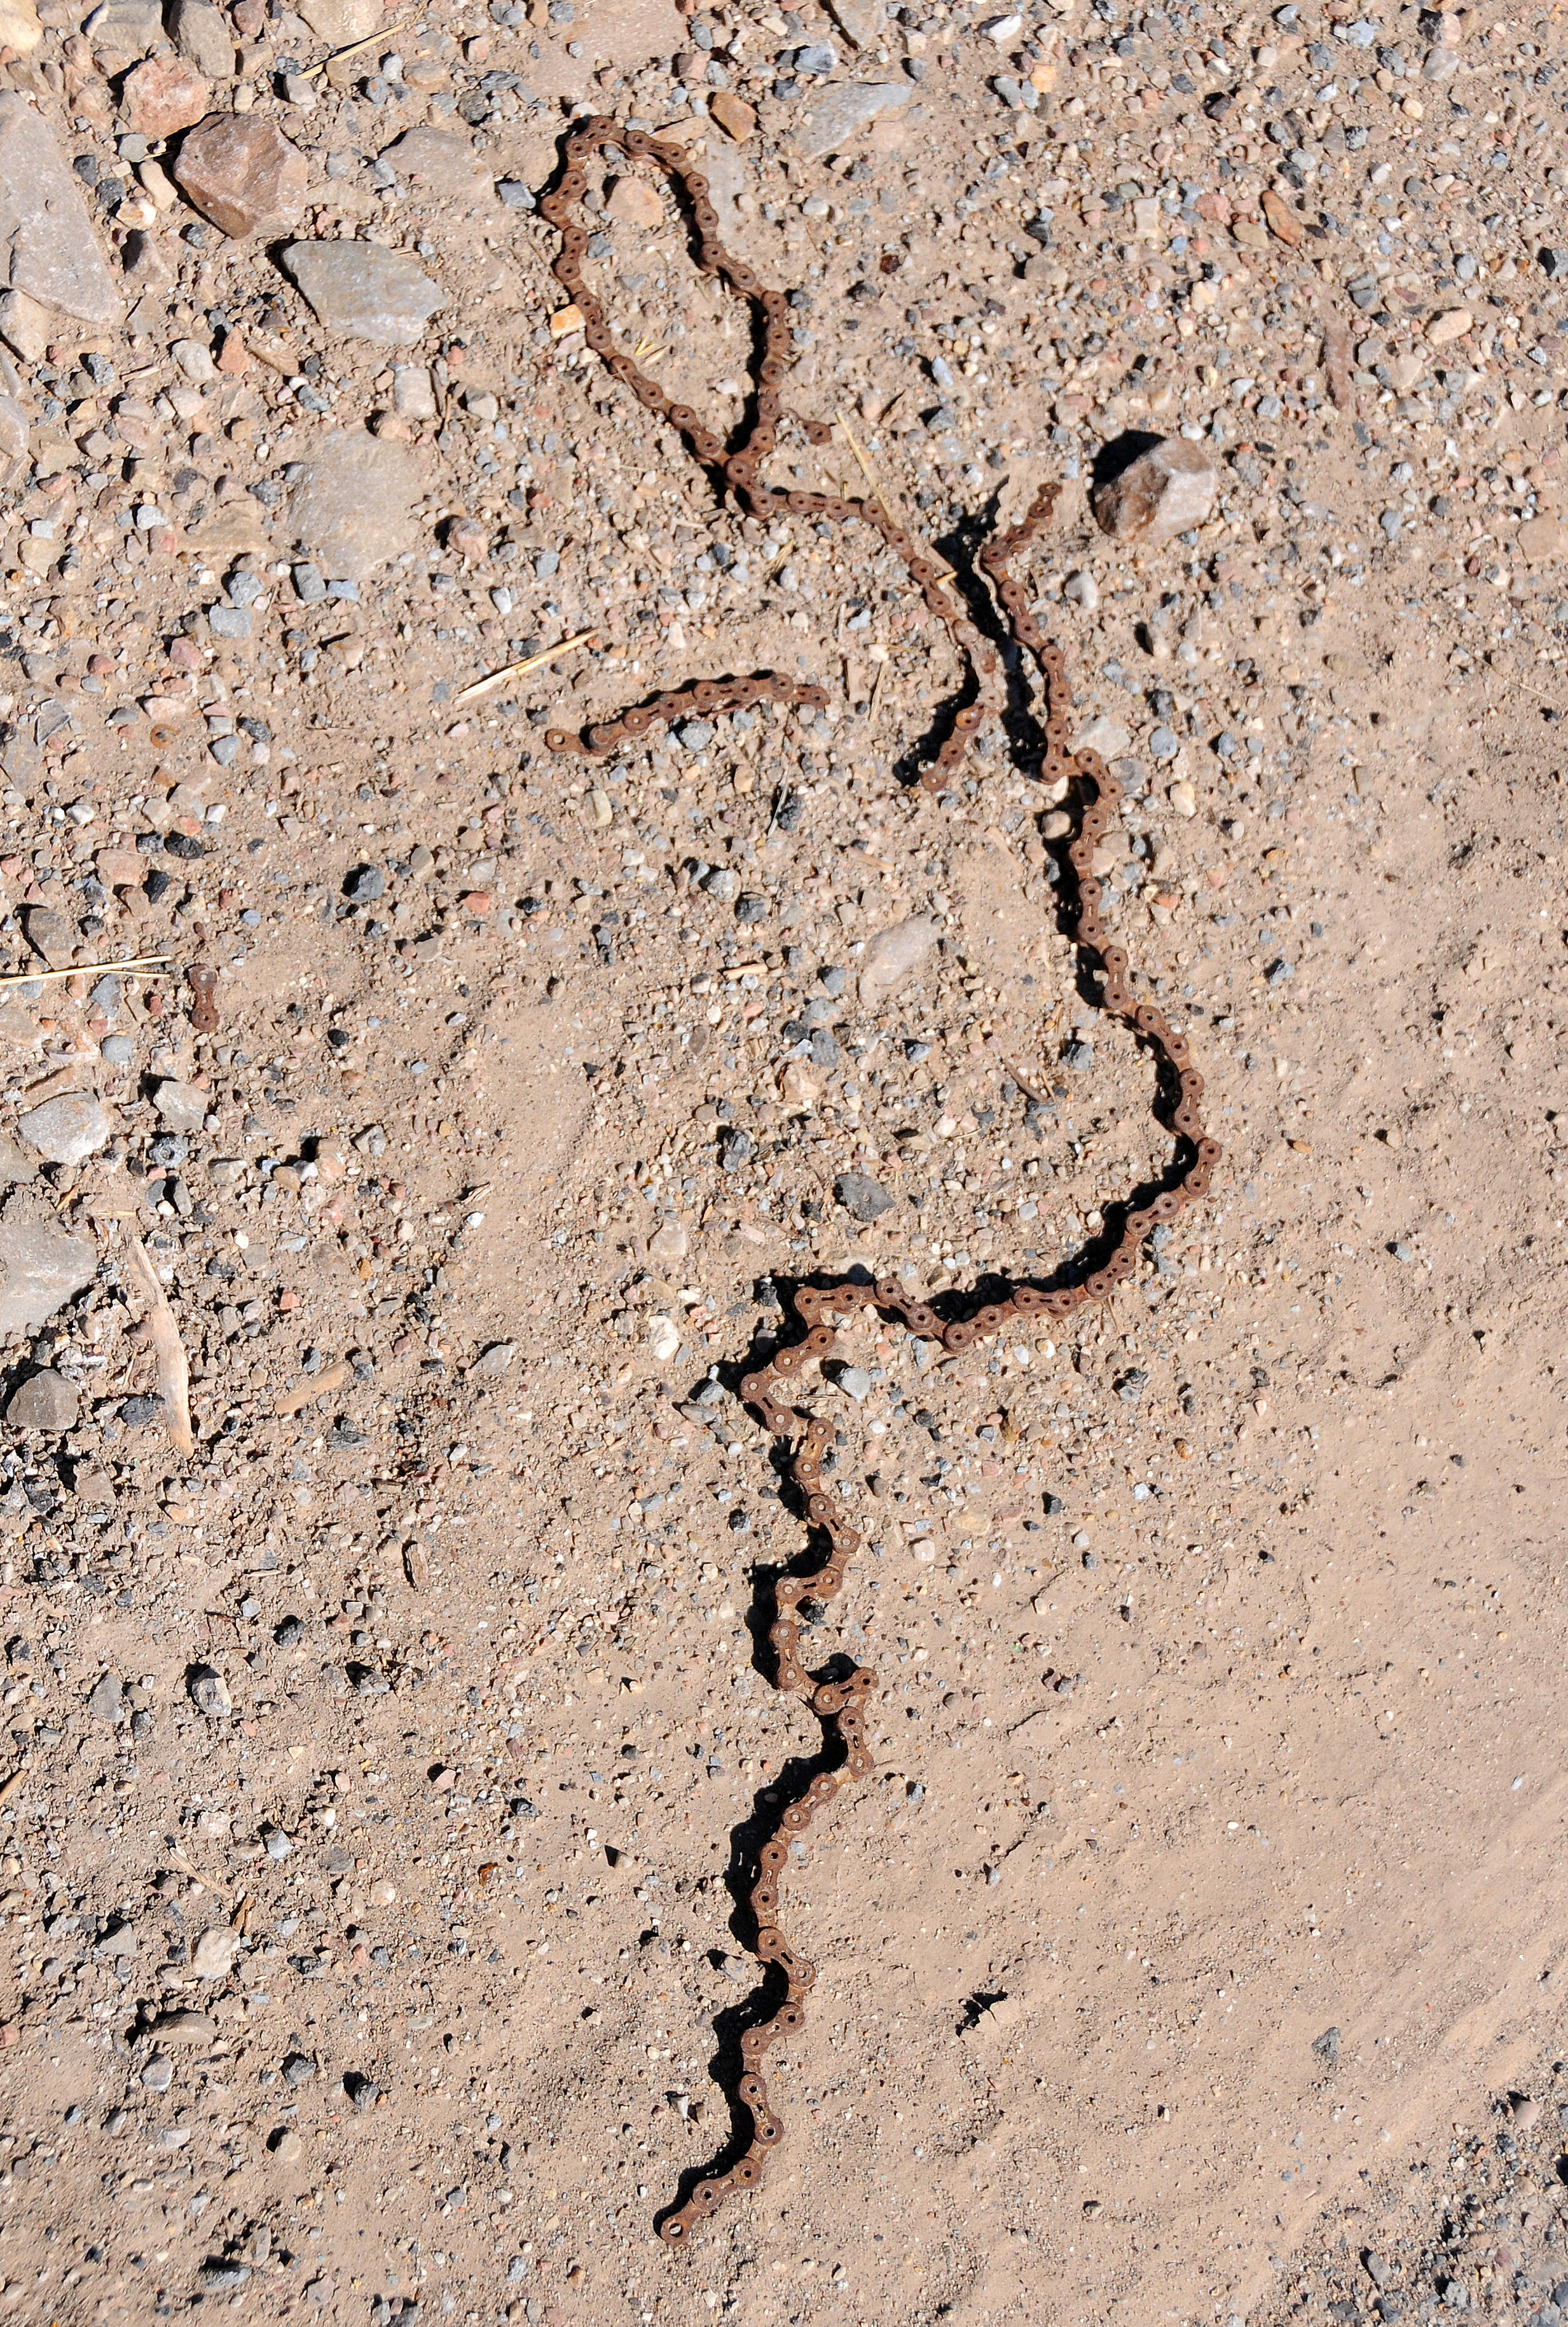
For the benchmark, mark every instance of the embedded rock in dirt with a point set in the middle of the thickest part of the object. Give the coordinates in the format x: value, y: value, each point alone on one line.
x: 19, y: 26
x: 66, y: 1130
x: 47, y: 246
x: 16, y: 1165
x: 181, y: 1106
x: 1166, y: 490
x: 201, y: 35
x: 893, y: 954
x: 844, y: 108
x: 339, y: 22
x: 864, y: 21
x: 45, y: 1401
x: 241, y: 173
x: 634, y: 202
x: 363, y: 291
x: 352, y: 510
x: 41, y: 1265
x: 124, y: 28
x: 442, y: 161
x: 866, y: 1199
x: 51, y: 937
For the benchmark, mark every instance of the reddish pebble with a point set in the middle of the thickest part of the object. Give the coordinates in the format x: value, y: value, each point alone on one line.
x: 479, y: 903
x: 185, y: 655
x: 164, y: 95
x: 286, y: 1301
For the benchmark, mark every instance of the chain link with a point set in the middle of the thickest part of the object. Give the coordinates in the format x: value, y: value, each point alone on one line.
x: 840, y: 1706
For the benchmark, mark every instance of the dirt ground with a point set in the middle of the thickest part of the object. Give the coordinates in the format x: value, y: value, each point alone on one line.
x: 385, y: 1744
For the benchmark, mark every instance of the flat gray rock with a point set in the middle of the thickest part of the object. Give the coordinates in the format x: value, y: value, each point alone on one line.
x: 352, y: 508
x: 445, y: 161
x: 47, y: 244
x: 844, y: 107
x: 181, y: 1106
x: 203, y: 37
x: 41, y: 1265
x: 127, y: 26
x: 16, y: 1166
x: 68, y: 1129
x: 107, y: 1701
x: 365, y: 292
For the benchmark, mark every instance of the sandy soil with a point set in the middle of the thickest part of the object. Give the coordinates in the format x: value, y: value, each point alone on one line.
x: 381, y: 1763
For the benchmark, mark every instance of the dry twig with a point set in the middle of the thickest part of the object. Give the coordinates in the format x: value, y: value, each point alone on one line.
x: 86, y: 969
x: 515, y: 669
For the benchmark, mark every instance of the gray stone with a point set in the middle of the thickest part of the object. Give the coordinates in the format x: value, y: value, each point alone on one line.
x: 364, y: 290
x: 45, y: 1401
x: 1326, y: 2048
x: 310, y: 586
x: 838, y: 111
x: 853, y: 1381
x: 352, y: 510
x: 209, y: 1692
x: 495, y: 1361
x: 203, y: 37
x: 865, y: 1198
x: 298, y: 2069
x: 218, y: 2278
x: 181, y: 1106
x: 338, y: 22
x: 42, y: 1264
x: 158, y: 2072
x: 1166, y: 490
x: 117, y: 1051
x: 228, y: 622
x: 68, y: 1129
x: 16, y: 1166
x: 107, y: 1700
x: 47, y: 244
x: 865, y: 21
x: 124, y: 27
x: 445, y: 162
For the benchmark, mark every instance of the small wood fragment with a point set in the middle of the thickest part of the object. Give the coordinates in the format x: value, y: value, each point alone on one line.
x: 174, y: 1369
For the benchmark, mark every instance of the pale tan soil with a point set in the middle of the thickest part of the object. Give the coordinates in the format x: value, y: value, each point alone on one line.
x: 1076, y: 1947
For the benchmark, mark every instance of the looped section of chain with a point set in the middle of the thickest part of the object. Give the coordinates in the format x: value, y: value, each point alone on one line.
x: 840, y: 1705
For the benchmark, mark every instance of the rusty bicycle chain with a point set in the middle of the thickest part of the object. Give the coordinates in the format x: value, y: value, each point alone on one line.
x: 840, y: 1706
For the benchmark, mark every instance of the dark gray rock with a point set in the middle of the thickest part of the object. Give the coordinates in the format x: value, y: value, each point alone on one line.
x: 45, y: 1401
x: 863, y: 1197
